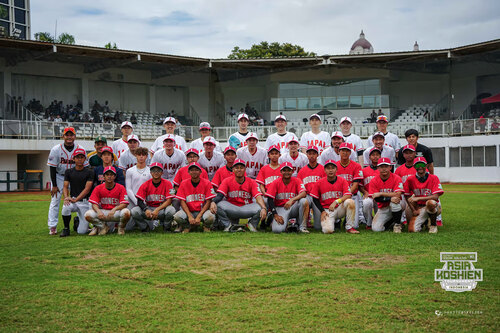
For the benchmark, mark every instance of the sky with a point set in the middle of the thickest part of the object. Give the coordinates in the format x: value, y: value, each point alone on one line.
x: 211, y: 28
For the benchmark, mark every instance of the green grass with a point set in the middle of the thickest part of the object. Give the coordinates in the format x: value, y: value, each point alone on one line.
x: 245, y: 282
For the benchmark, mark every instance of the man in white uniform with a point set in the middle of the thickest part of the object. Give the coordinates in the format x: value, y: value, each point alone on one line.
x: 211, y: 160
x: 171, y: 158
x: 120, y: 145
x: 297, y: 159
x: 255, y: 157
x: 205, y: 131
x: 242, y: 135
x: 332, y: 152
x: 169, y: 126
x: 378, y: 140
x: 345, y: 127
x: 282, y: 136
x: 315, y: 137
x: 136, y: 176
x: 128, y: 158
x: 391, y: 139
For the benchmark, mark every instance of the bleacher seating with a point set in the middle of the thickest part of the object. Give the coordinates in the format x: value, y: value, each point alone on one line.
x: 414, y: 113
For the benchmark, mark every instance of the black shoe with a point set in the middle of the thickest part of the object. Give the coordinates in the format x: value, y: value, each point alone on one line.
x: 64, y: 233
x: 76, y: 223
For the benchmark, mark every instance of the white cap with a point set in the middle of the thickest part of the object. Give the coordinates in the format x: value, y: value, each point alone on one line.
x: 209, y: 139
x: 338, y: 135
x: 169, y: 137
x: 169, y: 119
x: 252, y: 136
x: 243, y: 115
x: 280, y: 116
x: 205, y: 125
x: 127, y: 123
x: 314, y: 115
x: 345, y: 119
x: 133, y: 137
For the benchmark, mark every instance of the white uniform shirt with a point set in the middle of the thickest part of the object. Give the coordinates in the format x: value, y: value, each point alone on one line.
x: 170, y: 163
x: 280, y: 140
x: 213, y: 164
x: 254, y: 162
x: 330, y: 154
x: 242, y: 138
x: 387, y: 151
x: 391, y: 140
x: 134, y: 179
x: 128, y: 160
x: 198, y: 144
x: 119, y: 146
x: 355, y: 140
x: 180, y: 143
x: 321, y: 140
x: 62, y: 159
x: 298, y: 162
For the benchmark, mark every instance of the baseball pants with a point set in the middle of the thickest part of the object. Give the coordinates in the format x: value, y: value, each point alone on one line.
x: 296, y: 211
x: 231, y: 214
x: 165, y: 215
x: 358, y: 200
x: 431, y: 209
x: 316, y: 213
x: 121, y: 216
x: 55, y: 202
x: 367, y: 210
x: 345, y: 209
x: 182, y: 219
x: 384, y: 215
x: 81, y: 207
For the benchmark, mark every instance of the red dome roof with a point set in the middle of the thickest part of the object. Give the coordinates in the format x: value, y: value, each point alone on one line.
x: 365, y: 44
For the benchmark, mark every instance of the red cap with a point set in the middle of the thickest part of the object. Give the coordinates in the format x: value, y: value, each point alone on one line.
x: 109, y: 168
x: 69, y: 129
x: 239, y: 161
x: 345, y: 145
x: 409, y: 147
x: 312, y: 148
x: 229, y: 148
x: 273, y: 147
x: 194, y: 164
x: 384, y: 160
x: 252, y: 136
x: 192, y: 150
x: 108, y: 149
x: 79, y: 151
x: 382, y: 118
x: 286, y: 165
x: 374, y: 149
x: 155, y: 165
x: 420, y: 160
x: 330, y: 162
x: 209, y: 139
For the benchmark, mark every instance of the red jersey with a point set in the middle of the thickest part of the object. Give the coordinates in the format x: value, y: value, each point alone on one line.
x: 267, y: 175
x: 351, y: 172
x: 392, y: 184
x: 239, y: 194
x: 430, y: 186
x: 155, y: 196
x: 281, y: 193
x: 183, y: 174
x: 195, y: 196
x: 310, y: 176
x: 404, y: 172
x: 221, y: 174
x: 368, y: 174
x: 108, y: 199
x: 328, y: 192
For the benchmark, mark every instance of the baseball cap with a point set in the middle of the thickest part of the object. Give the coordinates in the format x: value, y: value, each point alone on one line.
x: 79, y: 151
x: 252, y: 136
x: 229, y: 148
x: 109, y: 168
x: 101, y: 139
x: 239, y: 161
x: 374, y: 149
x: 314, y: 115
x: 293, y: 140
x: 194, y: 164
x: 408, y: 147
x: 209, y: 139
x: 69, y: 129
x: 273, y: 147
x: 169, y: 137
x: 286, y: 165
x: 312, y: 148
x: 384, y: 160
x: 192, y: 150
x: 345, y: 145
x: 243, y: 116
x: 378, y: 134
x: 107, y: 149
x: 133, y: 137
x: 205, y: 125
x: 420, y: 159
x: 155, y: 165
x: 280, y: 117
x: 382, y: 118
x: 331, y: 162
x: 345, y: 119
x: 169, y: 119
x: 337, y: 135
x: 127, y: 123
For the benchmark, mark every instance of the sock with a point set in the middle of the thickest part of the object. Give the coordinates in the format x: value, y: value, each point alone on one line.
x: 66, y: 220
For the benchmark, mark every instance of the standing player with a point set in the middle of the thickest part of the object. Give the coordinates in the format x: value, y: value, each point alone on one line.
x: 333, y: 199
x: 205, y: 131
x: 391, y: 139
x: 128, y: 158
x: 195, y: 195
x: 406, y: 170
x: 369, y: 172
x: 287, y: 200
x: 345, y: 127
x: 59, y: 161
x: 169, y: 125
x: 94, y: 157
x: 281, y: 137
x: 226, y: 170
x: 136, y: 176
x: 192, y: 155
x: 420, y: 150
x: 297, y: 159
x: 269, y: 172
x: 239, y: 139
x: 109, y: 204
x: 315, y: 137
x: 254, y: 156
x: 378, y: 140
x: 120, y: 145
x: 310, y: 175
x: 107, y: 160
x: 210, y: 159
x: 239, y: 191
x: 78, y: 183
x: 422, y: 192
x: 171, y: 158
x: 333, y: 153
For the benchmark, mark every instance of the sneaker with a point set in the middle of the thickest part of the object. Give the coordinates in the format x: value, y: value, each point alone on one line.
x: 187, y: 230
x: 397, y: 229
x: 104, y: 230
x: 94, y: 231
x: 205, y: 229
x: 53, y: 231
x: 177, y: 230
x: 352, y: 231
x: 439, y: 223
x: 433, y: 229
x: 405, y: 222
x: 156, y: 223
x: 303, y: 231
x: 64, y: 233
x: 76, y: 223
x: 251, y: 227
x: 368, y: 227
x: 227, y: 229
x: 121, y: 230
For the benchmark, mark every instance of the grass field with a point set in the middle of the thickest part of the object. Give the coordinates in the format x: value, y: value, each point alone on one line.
x: 246, y: 282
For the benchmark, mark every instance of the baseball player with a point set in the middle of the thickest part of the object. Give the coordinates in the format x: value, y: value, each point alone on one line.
x: 287, y: 200
x: 169, y: 125
x: 378, y: 140
x: 170, y: 157
x: 154, y: 199
x: 333, y: 199
x: 120, y: 145
x: 281, y: 137
x: 128, y: 158
x: 107, y: 160
x: 239, y: 139
x: 310, y: 175
x: 254, y: 156
x: 59, y: 161
x: 94, y: 157
x: 269, y: 172
x: 315, y: 137
x: 420, y: 150
x: 422, y: 192
x: 195, y: 195
x: 211, y: 160
x: 297, y: 159
x: 369, y: 173
x: 345, y: 127
x: 226, y: 170
x: 78, y: 183
x: 386, y: 190
x: 192, y: 155
x: 391, y: 139
x: 239, y: 192
x: 406, y: 170
x: 332, y: 152
x: 205, y: 130
x: 136, y: 176
x: 109, y: 204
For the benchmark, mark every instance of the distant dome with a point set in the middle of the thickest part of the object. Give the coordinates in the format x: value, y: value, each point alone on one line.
x: 361, y: 46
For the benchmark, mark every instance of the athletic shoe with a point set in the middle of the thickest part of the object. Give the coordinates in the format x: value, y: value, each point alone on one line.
x: 303, y: 230
x: 76, y: 223
x: 94, y: 231
x: 405, y: 222
x: 177, y: 230
x: 156, y: 223
x: 439, y: 223
x: 64, y: 233
x: 121, y: 230
x: 433, y: 229
x: 352, y: 231
x: 205, y: 229
x: 397, y: 229
x: 104, y: 230
x: 187, y: 230
x: 53, y: 231
x: 251, y: 227
x: 368, y: 227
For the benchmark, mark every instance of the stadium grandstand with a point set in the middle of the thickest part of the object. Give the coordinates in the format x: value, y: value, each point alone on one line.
x: 451, y: 96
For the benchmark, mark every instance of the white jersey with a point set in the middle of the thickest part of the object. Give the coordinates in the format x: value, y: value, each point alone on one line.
x: 321, y: 140
x: 280, y: 140
x: 330, y: 154
x: 128, y: 160
x: 61, y: 159
x: 355, y: 140
x: 387, y: 151
x: 253, y: 162
x: 298, y: 162
x: 242, y: 138
x: 198, y: 144
x: 170, y: 163
x: 180, y: 143
x: 119, y: 146
x: 213, y: 164
x: 391, y: 140
x: 134, y: 179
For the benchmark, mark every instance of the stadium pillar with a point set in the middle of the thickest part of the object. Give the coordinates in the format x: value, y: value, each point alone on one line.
x: 152, y: 99
x: 85, y: 94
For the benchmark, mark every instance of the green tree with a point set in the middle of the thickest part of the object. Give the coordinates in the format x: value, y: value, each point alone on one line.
x: 66, y: 38
x: 270, y: 50
x: 111, y: 46
x: 44, y: 37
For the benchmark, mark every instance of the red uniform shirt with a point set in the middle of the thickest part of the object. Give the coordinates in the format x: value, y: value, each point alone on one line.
x: 281, y: 193
x: 368, y: 174
x: 239, y: 194
x: 195, y: 196
x: 392, y: 184
x: 221, y: 174
x: 108, y: 199
x: 155, y: 196
x: 183, y: 174
x: 404, y: 172
x: 328, y: 192
x: 431, y: 186
x: 267, y: 175
x: 351, y: 172
x: 310, y: 176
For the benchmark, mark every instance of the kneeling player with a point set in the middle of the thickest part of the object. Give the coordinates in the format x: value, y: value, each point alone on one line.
x: 154, y: 201
x: 422, y: 193
x: 333, y: 199
x: 287, y: 200
x: 109, y: 204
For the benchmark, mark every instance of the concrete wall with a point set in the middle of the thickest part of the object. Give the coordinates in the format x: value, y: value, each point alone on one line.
x: 8, y: 162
